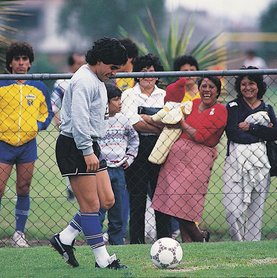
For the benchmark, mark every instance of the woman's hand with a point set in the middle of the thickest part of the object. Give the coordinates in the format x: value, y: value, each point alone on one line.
x: 244, y: 126
x: 178, y: 125
x: 186, y: 128
x: 148, y: 119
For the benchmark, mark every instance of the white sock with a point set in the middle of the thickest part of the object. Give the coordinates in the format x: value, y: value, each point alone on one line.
x: 102, y: 256
x: 68, y: 235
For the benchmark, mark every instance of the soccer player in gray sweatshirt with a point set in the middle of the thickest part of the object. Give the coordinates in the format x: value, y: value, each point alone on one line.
x: 84, y: 116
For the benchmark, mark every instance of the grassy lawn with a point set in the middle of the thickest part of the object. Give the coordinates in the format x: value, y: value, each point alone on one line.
x: 225, y: 259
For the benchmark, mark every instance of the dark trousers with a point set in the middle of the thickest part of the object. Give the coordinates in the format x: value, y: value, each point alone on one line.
x: 141, y: 177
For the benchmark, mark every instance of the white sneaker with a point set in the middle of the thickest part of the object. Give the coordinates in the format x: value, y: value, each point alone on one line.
x: 18, y: 240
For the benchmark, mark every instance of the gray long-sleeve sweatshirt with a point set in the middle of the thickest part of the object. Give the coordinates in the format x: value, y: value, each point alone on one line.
x: 84, y: 113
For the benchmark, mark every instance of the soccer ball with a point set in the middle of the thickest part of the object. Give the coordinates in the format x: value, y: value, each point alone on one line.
x: 166, y: 253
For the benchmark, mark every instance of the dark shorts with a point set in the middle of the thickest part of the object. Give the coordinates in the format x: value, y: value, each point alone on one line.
x: 25, y: 153
x: 71, y: 161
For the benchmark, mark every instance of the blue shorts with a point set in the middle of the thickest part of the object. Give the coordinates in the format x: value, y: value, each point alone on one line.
x: 18, y: 154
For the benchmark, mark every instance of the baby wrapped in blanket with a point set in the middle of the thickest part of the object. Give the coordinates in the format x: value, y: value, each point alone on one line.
x: 172, y: 113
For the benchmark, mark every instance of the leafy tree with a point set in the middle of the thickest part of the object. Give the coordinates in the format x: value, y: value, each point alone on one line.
x: 268, y: 23
x: 7, y: 10
x: 99, y: 18
x: 177, y: 44
x: 10, y: 13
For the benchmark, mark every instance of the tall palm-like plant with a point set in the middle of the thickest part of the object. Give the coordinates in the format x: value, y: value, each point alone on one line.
x: 206, y: 53
x: 7, y: 10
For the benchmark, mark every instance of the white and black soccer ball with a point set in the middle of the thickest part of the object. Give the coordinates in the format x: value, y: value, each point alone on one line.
x: 166, y: 253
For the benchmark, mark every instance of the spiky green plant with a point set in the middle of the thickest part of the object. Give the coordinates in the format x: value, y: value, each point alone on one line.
x: 206, y: 53
x: 7, y: 10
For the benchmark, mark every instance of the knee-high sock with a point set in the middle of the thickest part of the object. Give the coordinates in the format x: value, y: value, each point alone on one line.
x: 72, y: 230
x: 92, y: 230
x: 102, y: 215
x: 22, y: 209
x: 75, y: 223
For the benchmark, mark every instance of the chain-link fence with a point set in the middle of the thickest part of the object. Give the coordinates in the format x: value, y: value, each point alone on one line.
x: 51, y: 210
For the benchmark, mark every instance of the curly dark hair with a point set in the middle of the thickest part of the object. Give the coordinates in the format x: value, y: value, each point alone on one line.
x: 215, y: 80
x: 107, y: 50
x: 257, y: 78
x: 18, y: 49
x: 147, y: 61
x: 184, y: 59
x: 131, y: 47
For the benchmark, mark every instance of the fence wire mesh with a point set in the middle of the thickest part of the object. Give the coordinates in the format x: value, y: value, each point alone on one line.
x: 51, y: 209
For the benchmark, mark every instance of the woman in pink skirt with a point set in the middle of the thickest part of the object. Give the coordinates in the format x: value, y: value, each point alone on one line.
x: 184, y: 177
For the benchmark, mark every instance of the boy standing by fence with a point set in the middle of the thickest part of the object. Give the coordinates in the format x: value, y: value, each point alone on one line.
x: 119, y: 148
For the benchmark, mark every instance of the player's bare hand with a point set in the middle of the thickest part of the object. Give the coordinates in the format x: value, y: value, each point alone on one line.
x: 92, y: 162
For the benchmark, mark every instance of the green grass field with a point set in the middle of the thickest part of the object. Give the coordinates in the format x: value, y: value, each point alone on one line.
x: 225, y: 259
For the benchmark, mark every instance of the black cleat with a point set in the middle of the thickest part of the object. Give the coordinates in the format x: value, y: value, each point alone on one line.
x: 115, y: 264
x: 66, y: 251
